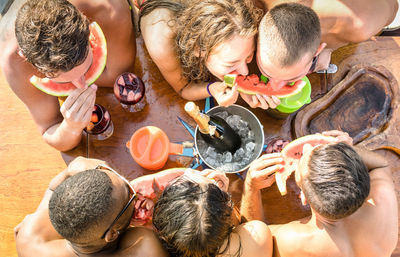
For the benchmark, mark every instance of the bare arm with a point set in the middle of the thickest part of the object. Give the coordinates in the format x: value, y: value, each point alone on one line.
x: 45, y: 110
x: 371, y: 159
x: 149, y: 185
x: 160, y: 42
x: 255, y: 239
x: 259, y: 176
x: 350, y: 21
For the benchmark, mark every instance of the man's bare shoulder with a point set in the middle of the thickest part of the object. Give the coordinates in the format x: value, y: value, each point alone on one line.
x: 140, y: 241
x: 32, y: 237
x: 254, y: 237
x: 104, y: 11
x: 290, y: 239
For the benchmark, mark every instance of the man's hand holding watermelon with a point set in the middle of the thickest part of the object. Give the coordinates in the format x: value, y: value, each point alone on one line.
x: 261, y: 101
x: 259, y: 93
x: 259, y: 176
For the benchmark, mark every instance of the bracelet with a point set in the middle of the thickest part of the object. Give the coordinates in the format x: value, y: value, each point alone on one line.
x: 208, y: 88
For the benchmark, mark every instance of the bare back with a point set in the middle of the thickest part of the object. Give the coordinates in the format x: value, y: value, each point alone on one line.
x: 249, y: 239
x: 347, y: 21
x: 370, y: 232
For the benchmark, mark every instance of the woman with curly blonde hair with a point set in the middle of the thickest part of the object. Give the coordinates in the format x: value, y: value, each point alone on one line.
x: 195, y: 43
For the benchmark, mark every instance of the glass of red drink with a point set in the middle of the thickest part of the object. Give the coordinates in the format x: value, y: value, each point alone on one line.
x: 129, y: 90
x: 100, y: 126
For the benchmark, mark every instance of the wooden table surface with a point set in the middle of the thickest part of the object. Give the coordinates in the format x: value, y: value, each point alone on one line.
x: 28, y: 164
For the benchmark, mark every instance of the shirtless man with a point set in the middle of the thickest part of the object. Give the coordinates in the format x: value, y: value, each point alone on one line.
x: 354, y: 213
x: 285, y: 54
x: 62, y: 128
x: 86, y: 211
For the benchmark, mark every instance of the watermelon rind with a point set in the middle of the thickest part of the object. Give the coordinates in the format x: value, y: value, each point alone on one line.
x: 230, y: 79
x: 281, y: 183
x: 42, y: 84
x: 291, y: 161
x: 304, y: 140
x: 103, y: 46
x: 98, y: 42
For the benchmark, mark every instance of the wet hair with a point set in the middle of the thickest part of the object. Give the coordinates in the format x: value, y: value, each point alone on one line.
x: 80, y: 204
x: 201, y: 25
x: 53, y: 35
x: 288, y: 32
x: 193, y: 220
x: 337, y: 182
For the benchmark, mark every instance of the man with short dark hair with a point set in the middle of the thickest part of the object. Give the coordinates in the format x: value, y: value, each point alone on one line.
x: 354, y: 213
x: 86, y: 211
x: 298, y: 37
x: 50, y: 39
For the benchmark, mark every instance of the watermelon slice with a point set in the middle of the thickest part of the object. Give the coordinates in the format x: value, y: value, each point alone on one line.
x: 252, y: 85
x: 292, y: 153
x: 99, y: 50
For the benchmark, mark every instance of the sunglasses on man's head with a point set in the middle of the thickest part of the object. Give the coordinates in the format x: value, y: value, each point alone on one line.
x: 131, y: 191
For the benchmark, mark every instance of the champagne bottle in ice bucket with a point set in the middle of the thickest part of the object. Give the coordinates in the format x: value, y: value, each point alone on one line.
x: 214, y: 130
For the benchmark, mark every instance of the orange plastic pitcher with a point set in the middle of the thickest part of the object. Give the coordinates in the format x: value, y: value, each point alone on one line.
x: 150, y: 147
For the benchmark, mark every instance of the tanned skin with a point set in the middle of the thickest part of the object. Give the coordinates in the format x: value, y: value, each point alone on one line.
x: 344, y: 21
x: 372, y: 231
x: 35, y: 235
x: 62, y: 129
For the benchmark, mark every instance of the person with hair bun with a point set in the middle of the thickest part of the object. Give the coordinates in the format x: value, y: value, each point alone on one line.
x: 194, y: 217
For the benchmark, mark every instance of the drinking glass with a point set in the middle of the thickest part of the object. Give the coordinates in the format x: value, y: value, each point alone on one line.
x: 129, y: 90
x: 100, y: 126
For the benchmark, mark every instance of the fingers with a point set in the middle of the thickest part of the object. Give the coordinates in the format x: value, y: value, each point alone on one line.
x: 340, y: 136
x: 333, y: 133
x: 261, y: 101
x: 226, y: 96
x: 222, y: 181
x: 267, y: 160
x: 78, y: 106
x: 276, y: 100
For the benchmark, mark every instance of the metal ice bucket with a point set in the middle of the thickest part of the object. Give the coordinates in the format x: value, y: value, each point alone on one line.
x: 254, y: 125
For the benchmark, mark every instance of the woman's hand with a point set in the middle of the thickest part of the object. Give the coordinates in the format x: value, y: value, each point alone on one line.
x: 224, y: 95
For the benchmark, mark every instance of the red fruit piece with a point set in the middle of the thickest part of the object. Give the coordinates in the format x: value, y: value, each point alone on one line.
x: 253, y: 79
x: 94, y: 118
x: 90, y: 126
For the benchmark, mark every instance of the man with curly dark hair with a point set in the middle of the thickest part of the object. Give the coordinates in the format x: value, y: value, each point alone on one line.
x: 86, y: 211
x: 50, y: 38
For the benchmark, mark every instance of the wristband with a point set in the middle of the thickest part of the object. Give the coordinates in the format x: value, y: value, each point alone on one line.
x: 208, y: 88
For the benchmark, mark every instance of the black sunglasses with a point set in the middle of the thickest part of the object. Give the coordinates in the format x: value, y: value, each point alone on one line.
x: 131, y: 190
x: 313, y: 64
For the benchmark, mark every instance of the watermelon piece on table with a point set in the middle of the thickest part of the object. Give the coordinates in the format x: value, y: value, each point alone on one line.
x: 99, y: 50
x: 252, y: 85
x: 292, y: 153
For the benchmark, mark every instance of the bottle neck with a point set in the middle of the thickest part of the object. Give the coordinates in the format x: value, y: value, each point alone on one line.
x: 200, y: 118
